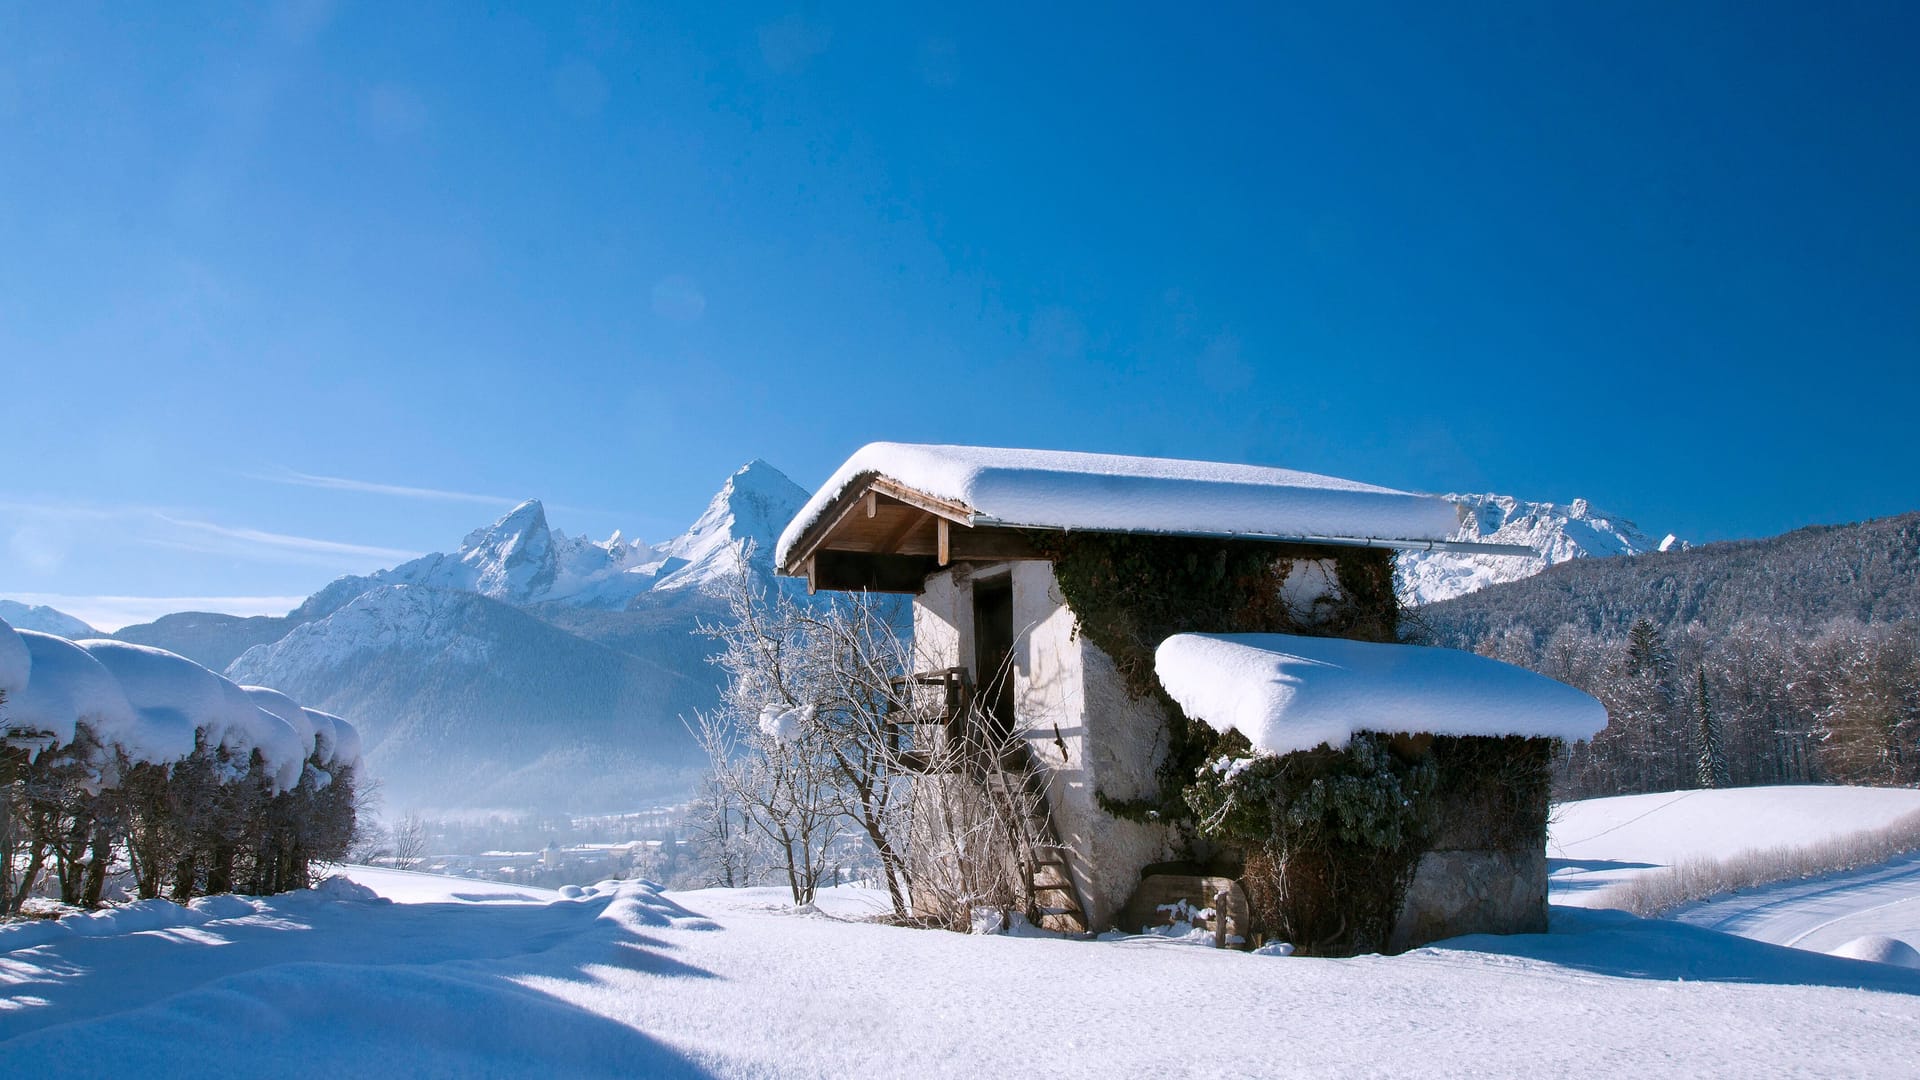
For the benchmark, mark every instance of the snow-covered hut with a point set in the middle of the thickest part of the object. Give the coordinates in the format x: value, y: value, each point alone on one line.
x: 1165, y: 560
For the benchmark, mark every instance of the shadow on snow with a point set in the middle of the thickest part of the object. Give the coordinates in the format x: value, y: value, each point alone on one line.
x: 316, y: 987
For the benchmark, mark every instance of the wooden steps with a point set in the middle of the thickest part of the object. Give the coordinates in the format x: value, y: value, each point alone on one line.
x: 1052, y: 899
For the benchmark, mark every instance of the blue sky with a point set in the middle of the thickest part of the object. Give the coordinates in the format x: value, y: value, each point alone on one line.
x: 1664, y: 257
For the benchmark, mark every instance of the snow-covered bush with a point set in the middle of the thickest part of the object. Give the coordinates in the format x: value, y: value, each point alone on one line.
x: 1331, y: 838
x: 118, y: 760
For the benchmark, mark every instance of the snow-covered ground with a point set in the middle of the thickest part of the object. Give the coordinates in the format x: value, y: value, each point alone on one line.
x: 474, y: 979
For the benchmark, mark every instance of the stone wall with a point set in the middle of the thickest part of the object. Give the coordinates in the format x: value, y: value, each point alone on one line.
x: 1473, y: 892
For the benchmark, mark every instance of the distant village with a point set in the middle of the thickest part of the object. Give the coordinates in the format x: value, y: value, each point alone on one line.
x: 544, y: 852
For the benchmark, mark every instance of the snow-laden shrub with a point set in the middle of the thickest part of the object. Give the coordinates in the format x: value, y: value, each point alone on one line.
x: 128, y: 763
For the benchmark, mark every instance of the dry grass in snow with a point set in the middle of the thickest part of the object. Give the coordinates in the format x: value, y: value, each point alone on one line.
x: 1698, y: 878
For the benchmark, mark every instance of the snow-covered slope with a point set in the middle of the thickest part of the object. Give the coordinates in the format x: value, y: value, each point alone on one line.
x: 44, y: 619
x: 1556, y: 533
x: 1595, y: 845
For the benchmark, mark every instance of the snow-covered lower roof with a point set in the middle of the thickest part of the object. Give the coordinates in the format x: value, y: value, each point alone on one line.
x: 1058, y: 489
x: 1287, y: 693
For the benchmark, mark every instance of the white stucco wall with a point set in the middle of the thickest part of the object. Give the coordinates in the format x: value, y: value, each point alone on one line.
x: 1082, y: 728
x: 943, y: 624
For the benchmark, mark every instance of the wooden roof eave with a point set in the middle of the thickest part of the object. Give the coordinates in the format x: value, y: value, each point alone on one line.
x: 860, y: 496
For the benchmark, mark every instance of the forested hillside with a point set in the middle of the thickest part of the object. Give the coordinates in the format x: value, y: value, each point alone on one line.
x: 1791, y: 659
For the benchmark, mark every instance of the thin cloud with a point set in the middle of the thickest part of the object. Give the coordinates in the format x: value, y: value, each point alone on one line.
x: 110, y: 613
x: 67, y: 510
x: 305, y: 545
x: 370, y: 487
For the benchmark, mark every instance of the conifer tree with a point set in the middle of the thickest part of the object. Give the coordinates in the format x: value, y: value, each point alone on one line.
x: 1712, y: 771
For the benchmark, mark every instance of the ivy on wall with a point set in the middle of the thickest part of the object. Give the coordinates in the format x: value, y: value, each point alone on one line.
x: 1130, y: 592
x: 1331, y: 838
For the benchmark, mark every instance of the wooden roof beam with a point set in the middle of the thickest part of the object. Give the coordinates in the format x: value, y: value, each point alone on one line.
x: 864, y: 495
x: 890, y: 544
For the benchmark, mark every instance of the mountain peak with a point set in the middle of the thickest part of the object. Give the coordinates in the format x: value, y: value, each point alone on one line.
x: 520, y: 559
x: 514, y: 555
x: 751, y: 508
x: 46, y: 620
x: 526, y: 519
x: 1555, y: 532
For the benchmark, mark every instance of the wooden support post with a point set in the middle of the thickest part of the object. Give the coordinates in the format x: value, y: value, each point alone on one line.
x: 873, y: 502
x: 941, y: 527
x: 813, y: 579
x: 1220, y: 918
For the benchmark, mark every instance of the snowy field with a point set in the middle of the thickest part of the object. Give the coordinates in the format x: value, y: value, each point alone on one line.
x: 410, y: 974
x: 1601, y: 843
x: 1596, y: 844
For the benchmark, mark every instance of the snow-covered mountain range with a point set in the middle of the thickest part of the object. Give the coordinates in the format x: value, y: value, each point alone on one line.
x: 526, y: 667
x: 1555, y: 533
x: 520, y: 560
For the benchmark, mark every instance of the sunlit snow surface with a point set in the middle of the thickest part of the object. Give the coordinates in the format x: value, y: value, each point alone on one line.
x: 465, y: 978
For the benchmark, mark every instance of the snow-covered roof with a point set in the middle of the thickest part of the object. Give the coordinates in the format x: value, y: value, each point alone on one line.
x: 1056, y: 489
x: 1287, y: 693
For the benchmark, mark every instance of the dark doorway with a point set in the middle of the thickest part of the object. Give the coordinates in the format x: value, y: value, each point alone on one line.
x: 993, y: 654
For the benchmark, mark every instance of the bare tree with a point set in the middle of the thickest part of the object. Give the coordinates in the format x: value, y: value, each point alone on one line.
x: 717, y: 826
x: 409, y: 842
x: 809, y: 740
